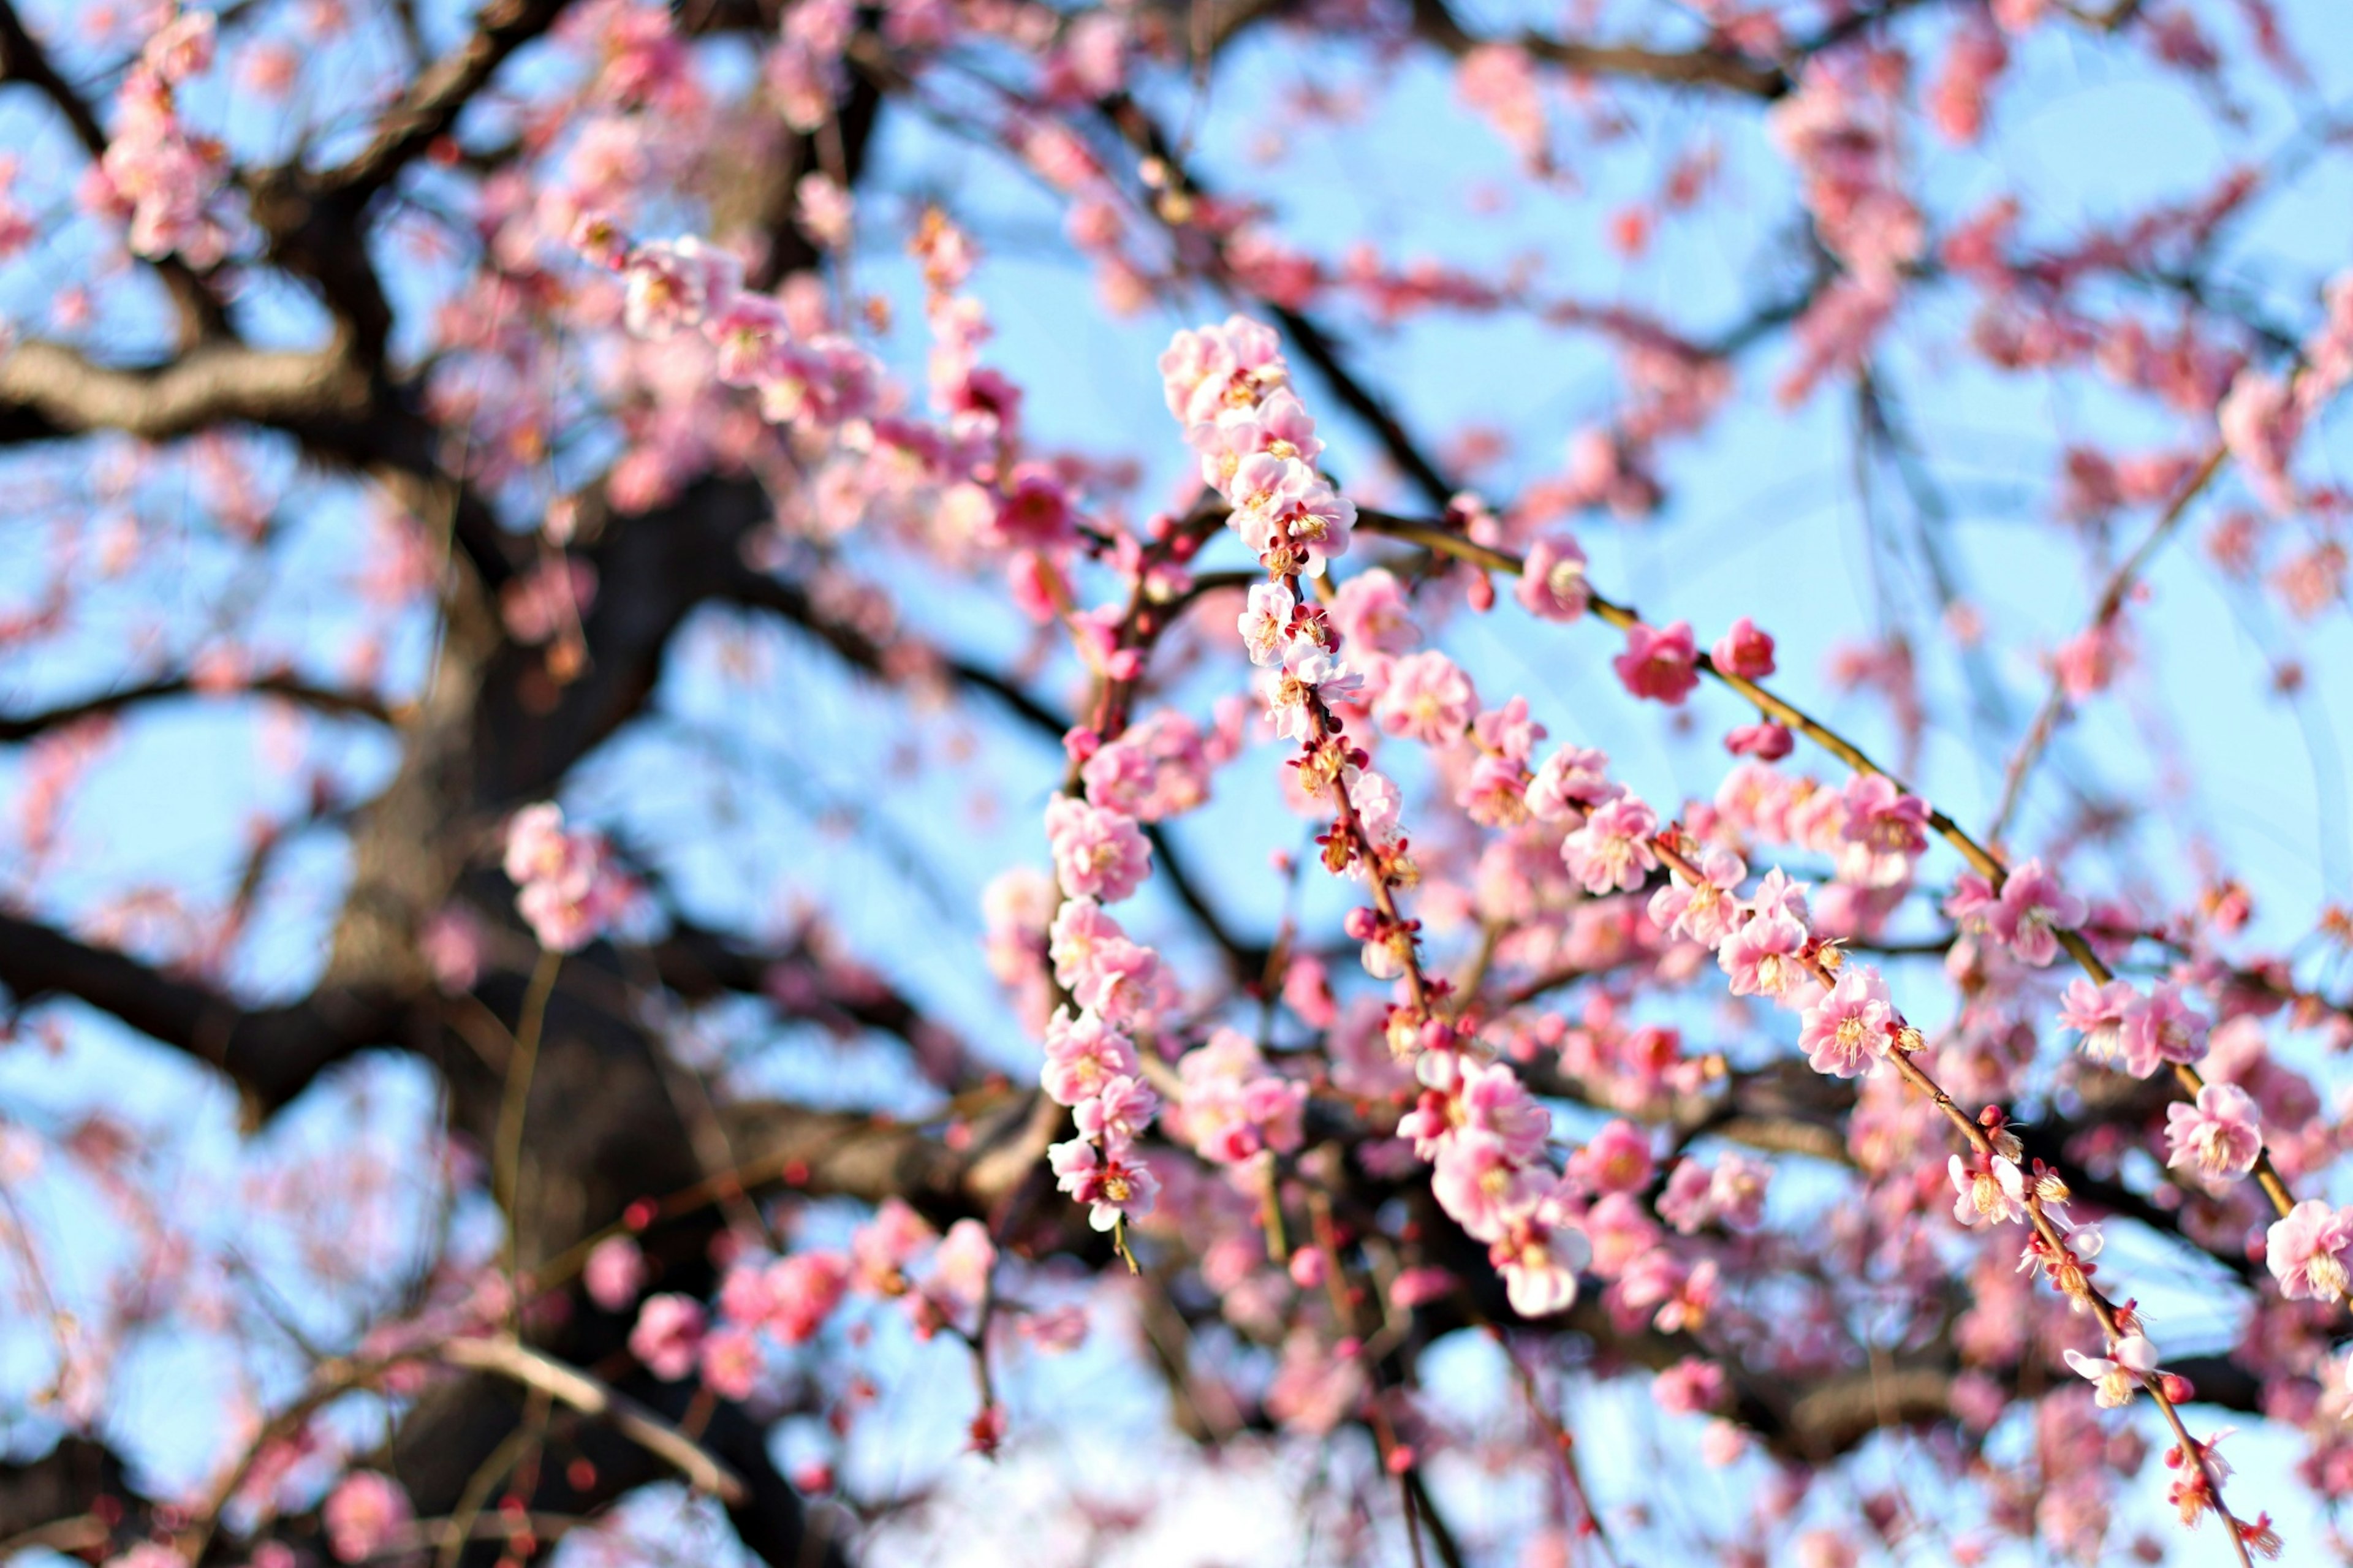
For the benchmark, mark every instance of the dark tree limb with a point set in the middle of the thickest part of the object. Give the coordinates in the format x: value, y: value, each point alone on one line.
x: 286, y: 688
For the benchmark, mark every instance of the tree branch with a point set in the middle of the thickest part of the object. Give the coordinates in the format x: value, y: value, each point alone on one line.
x: 288, y: 687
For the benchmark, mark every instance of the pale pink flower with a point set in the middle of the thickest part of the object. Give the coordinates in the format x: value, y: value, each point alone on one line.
x: 1689, y: 1387
x: 1265, y: 619
x: 364, y: 1513
x: 1847, y: 1032
x: 2098, y: 1013
x: 1539, y: 1261
x: 1112, y: 1187
x: 2219, y: 1137
x: 2302, y: 1249
x: 1476, y: 1181
x: 1763, y: 957
x: 1612, y: 848
x: 1552, y: 583
x: 961, y: 1269
x: 1098, y: 854
x: 2160, y: 1028
x: 2034, y: 906
x: 1744, y: 651
x: 1374, y: 613
x: 1428, y: 698
x: 676, y: 284
x: 615, y: 1272
x: 668, y: 1336
x: 1082, y: 1055
x: 2119, y: 1373
x: 1117, y: 1113
x: 880, y: 1249
x: 1615, y: 1160
x: 1994, y: 1195
x: 1659, y: 665
x: 1571, y: 782
x: 1885, y: 829
x: 1704, y: 912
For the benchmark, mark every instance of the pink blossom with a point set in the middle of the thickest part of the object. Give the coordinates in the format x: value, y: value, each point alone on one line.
x: 1540, y: 1258
x: 2119, y: 1378
x: 1763, y: 957
x: 1112, y: 1187
x: 1848, y: 1031
x: 1990, y: 1195
x: 1082, y: 1055
x: 363, y: 1515
x: 1616, y: 1160
x: 1552, y: 583
x: 1659, y: 665
x: 1767, y: 742
x: 731, y: 1363
x: 1572, y: 781
x: 2032, y: 907
x: 1704, y: 912
x: 1265, y: 619
x: 1233, y: 1104
x: 1689, y: 1387
x: 2302, y: 1249
x: 1612, y: 848
x: 677, y: 284
x: 1098, y: 853
x: 803, y: 1290
x: 1744, y: 651
x: 961, y: 1269
x: 1479, y: 1183
x: 880, y: 1249
x: 1117, y: 1113
x: 1885, y: 829
x: 2219, y: 1137
x: 570, y: 890
x: 668, y: 1335
x: 2097, y: 1011
x: 615, y: 1272
x: 1428, y: 699
x: 2157, y: 1029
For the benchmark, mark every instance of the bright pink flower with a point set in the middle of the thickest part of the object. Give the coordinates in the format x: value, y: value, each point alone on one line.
x: 364, y: 1513
x: 1767, y: 742
x: 1659, y: 665
x: 1846, y: 1031
x: 1612, y: 849
x: 1098, y: 854
x: 1744, y: 651
x: 1112, y: 1187
x: 1552, y: 584
x: 1374, y: 613
x: 1428, y: 698
x: 2032, y: 906
x: 1233, y: 1104
x: 668, y: 1336
x: 615, y: 1272
x: 2302, y: 1251
x: 2219, y: 1137
x: 1082, y: 1055
x: 1035, y: 513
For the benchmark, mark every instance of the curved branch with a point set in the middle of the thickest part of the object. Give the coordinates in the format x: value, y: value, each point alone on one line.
x: 290, y: 688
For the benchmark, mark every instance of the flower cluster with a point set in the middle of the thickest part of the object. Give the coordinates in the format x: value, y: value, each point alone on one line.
x: 571, y: 889
x: 165, y: 180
